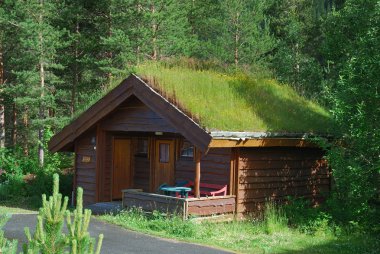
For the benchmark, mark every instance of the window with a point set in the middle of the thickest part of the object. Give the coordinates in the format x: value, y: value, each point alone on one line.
x: 164, y: 153
x: 142, y: 147
x: 187, y: 150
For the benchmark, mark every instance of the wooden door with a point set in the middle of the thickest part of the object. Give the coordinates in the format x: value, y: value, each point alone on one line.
x: 164, y: 163
x: 121, y: 172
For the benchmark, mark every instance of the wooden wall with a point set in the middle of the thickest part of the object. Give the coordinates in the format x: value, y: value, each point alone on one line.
x: 85, y: 173
x: 133, y: 115
x: 215, y: 167
x: 277, y: 172
x: 141, y: 173
x: 107, y: 170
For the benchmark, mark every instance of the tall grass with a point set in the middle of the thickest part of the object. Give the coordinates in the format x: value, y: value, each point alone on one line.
x: 271, y: 235
x: 274, y: 219
x: 236, y: 102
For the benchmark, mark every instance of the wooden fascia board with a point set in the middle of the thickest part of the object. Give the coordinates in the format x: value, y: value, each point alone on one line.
x: 263, y: 142
x: 183, y: 124
x: 92, y: 115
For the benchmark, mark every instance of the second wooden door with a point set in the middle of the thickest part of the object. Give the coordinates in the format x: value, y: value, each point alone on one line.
x: 164, y: 163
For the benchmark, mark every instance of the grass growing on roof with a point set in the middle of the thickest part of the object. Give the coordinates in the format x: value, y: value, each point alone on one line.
x: 237, y: 102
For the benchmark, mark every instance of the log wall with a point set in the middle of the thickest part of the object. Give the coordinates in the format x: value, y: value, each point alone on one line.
x: 133, y: 115
x: 215, y: 167
x: 107, y: 171
x: 85, y: 172
x: 141, y: 173
x: 277, y: 172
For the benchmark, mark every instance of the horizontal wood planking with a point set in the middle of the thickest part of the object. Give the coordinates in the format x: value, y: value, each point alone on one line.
x: 151, y: 202
x: 107, y: 171
x: 215, y: 167
x: 184, y: 207
x: 271, y: 193
x: 85, y: 174
x: 211, y: 206
x: 266, y: 185
x: 135, y: 116
x: 141, y: 173
x: 283, y: 172
x: 278, y: 172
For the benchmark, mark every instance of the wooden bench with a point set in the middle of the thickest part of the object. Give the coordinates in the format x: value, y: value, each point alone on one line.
x: 208, y: 189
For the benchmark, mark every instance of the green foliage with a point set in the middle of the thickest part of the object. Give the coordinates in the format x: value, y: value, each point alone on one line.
x: 296, y: 59
x: 245, y: 37
x: 48, y: 237
x: 79, y: 237
x: 308, y: 219
x: 155, y: 222
x: 22, y: 175
x: 352, y: 48
x: 248, y: 236
x: 274, y: 219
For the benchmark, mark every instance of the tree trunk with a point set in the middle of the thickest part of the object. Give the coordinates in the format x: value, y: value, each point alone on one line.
x: 14, y: 124
x: 237, y: 39
x: 25, y: 121
x: 109, y: 53
x: 154, y: 33
x: 138, y: 49
x: 2, y: 101
x: 41, y: 152
x: 76, y: 70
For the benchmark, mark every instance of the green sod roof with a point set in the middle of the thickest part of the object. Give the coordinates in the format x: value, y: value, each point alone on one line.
x: 223, y: 102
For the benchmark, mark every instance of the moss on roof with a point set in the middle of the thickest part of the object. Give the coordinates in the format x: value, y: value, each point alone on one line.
x: 237, y: 102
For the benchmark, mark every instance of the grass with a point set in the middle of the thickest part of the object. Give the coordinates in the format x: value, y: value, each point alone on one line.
x: 17, y: 206
x: 269, y: 236
x: 236, y: 102
x: 223, y: 101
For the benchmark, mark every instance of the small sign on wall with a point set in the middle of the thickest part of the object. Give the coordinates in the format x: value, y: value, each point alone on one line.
x: 86, y: 159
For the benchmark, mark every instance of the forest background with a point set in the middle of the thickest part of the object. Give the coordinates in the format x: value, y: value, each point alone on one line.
x: 57, y: 57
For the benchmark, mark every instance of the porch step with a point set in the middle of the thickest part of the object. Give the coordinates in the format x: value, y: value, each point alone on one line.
x: 105, y: 208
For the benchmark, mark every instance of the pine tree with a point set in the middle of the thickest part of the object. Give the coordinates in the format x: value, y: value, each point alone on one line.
x: 48, y: 238
x: 80, y: 240
x: 296, y: 60
x: 245, y: 34
x: 35, y: 80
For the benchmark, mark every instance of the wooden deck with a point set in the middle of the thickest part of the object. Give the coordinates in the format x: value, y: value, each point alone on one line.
x: 184, y: 207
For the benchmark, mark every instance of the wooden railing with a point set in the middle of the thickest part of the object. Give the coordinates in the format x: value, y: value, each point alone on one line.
x: 184, y: 207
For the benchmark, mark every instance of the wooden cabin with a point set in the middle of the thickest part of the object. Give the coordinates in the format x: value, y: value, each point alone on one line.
x: 134, y: 139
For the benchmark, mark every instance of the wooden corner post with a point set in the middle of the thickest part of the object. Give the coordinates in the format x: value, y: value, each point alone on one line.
x: 197, y: 172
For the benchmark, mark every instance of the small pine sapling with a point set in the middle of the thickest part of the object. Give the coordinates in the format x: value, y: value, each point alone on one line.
x: 48, y: 238
x: 79, y: 237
